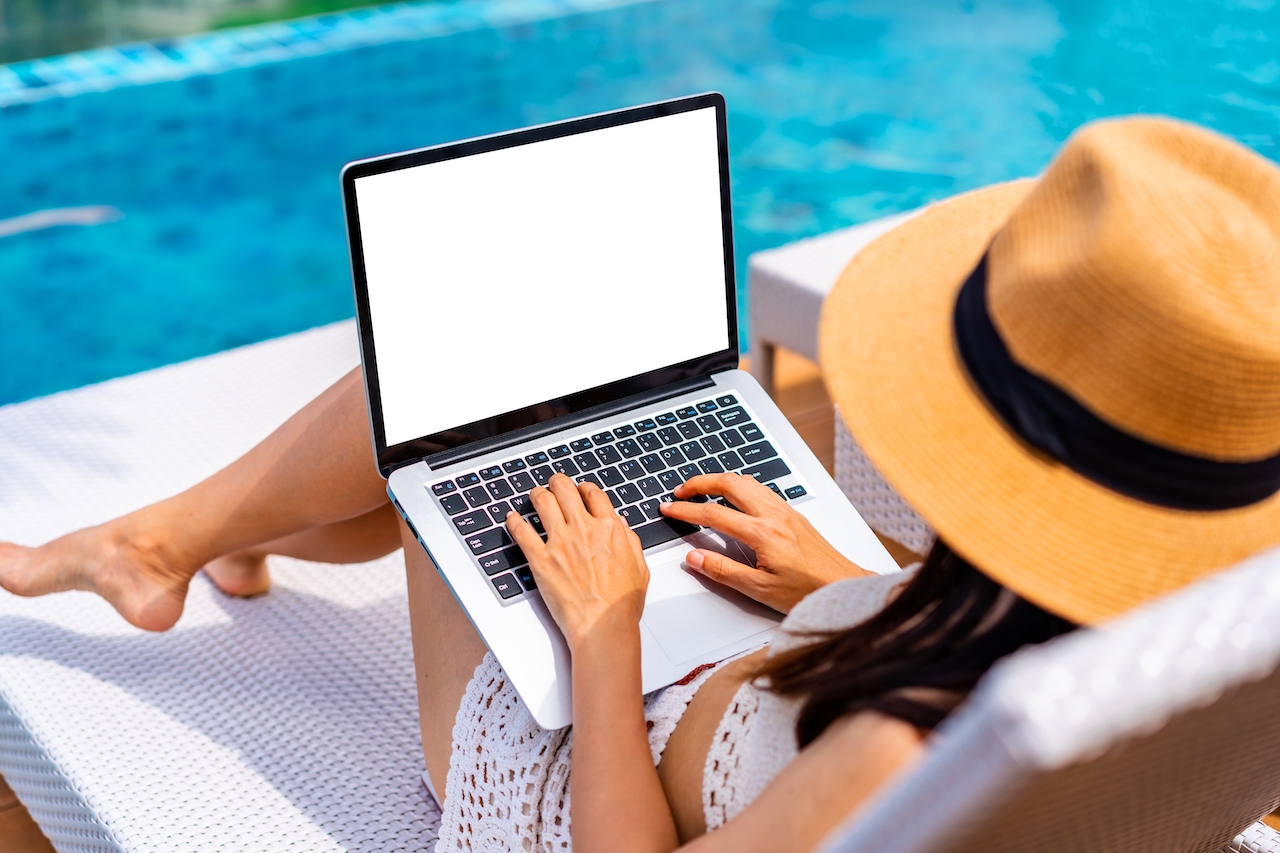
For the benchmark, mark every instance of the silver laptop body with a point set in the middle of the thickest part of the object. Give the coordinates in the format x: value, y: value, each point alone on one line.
x: 561, y: 298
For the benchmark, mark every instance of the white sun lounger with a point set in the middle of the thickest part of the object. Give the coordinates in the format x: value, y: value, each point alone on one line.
x: 285, y: 723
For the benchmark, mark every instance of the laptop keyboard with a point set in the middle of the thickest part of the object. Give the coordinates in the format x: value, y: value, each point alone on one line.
x: 637, y: 463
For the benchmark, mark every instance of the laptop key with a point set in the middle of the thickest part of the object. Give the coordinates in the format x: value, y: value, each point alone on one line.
x: 692, y: 450
x: 712, y: 443
x: 498, y: 512
x: 624, y: 431
x: 483, y: 543
x: 650, y: 442
x: 726, y: 400
x: 751, y: 432
x: 565, y: 466
x: 709, y: 423
x: 523, y: 482
x: 778, y: 491
x: 500, y: 561
x: 669, y: 435
x: 651, y: 510
x: 711, y: 466
x: 650, y: 486
x: 525, y: 575
x: 514, y: 465
x: 472, y: 521
x: 766, y: 471
x: 538, y: 458
x: 795, y: 492
x: 467, y: 480
x: 734, y: 416
x: 632, y: 515
x: 491, y: 472
x: 666, y: 418
x: 670, y: 479
x: 657, y: 532
x: 587, y: 461
x: 631, y: 469
x: 611, y: 476
x: 629, y: 493
x: 608, y: 455
x: 506, y: 586
x: 478, y: 496
x: 688, y: 471
x: 686, y: 412
x: 672, y: 456
x: 453, y: 504
x: 646, y: 424
x: 580, y: 445
x: 559, y: 452
x: 614, y: 499
x: 602, y: 437
x: 629, y: 448
x: 443, y: 488
x: 522, y: 504
x: 757, y: 452
x: 652, y: 463
x: 707, y: 406
x: 732, y: 438
x: 689, y: 429
x: 500, y: 489
x: 730, y: 460
x: 589, y: 478
x: 541, y: 474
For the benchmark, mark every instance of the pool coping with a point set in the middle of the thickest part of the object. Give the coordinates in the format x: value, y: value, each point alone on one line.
x: 157, y: 60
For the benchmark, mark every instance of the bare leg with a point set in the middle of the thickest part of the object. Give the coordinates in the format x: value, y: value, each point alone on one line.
x: 356, y: 540
x: 446, y: 652
x: 314, y: 470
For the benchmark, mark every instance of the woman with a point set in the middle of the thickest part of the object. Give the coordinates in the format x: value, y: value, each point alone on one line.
x: 1077, y: 380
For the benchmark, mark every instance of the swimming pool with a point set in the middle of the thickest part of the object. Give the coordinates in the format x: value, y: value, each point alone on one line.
x: 839, y: 112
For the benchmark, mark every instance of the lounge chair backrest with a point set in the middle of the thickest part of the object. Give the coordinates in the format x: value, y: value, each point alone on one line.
x: 876, y: 501
x: 1159, y: 731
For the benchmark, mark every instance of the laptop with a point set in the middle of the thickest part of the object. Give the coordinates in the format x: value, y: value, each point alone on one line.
x: 561, y: 299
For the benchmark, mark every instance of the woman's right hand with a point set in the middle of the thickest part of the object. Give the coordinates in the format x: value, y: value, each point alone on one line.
x: 792, y: 558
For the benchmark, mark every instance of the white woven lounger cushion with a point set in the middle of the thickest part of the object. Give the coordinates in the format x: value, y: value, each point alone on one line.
x: 285, y: 723
x: 787, y: 285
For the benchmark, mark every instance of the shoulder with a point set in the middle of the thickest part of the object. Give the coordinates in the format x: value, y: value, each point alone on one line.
x: 838, y: 606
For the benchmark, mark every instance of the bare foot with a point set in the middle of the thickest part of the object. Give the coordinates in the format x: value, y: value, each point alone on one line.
x: 132, y: 572
x: 243, y: 574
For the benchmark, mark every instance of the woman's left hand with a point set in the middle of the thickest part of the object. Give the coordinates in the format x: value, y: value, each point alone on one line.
x: 591, y: 570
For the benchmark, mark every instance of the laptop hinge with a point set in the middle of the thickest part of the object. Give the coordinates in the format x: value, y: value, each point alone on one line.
x: 508, y: 439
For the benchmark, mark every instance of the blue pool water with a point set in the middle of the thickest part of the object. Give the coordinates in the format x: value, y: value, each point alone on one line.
x: 839, y: 112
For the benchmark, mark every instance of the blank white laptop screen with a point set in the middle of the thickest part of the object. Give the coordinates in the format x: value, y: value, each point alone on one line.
x: 500, y: 280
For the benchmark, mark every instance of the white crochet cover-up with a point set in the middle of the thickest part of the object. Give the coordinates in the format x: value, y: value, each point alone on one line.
x: 756, y: 737
x: 508, y: 783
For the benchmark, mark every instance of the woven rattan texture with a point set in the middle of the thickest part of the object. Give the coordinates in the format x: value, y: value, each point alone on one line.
x: 877, y: 502
x: 283, y: 723
x: 1156, y: 732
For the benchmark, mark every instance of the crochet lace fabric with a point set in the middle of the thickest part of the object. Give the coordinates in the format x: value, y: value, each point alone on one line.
x: 756, y: 735
x: 508, y: 783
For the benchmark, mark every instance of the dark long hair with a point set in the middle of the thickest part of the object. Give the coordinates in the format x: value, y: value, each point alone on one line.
x: 919, y: 657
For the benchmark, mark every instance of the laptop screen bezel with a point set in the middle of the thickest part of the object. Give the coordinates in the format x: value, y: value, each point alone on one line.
x: 403, y: 453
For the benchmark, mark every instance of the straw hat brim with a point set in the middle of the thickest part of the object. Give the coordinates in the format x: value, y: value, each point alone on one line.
x: 1058, y: 539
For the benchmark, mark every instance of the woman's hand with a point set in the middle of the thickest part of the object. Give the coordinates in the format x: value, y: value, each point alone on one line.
x: 792, y: 558
x: 591, y: 570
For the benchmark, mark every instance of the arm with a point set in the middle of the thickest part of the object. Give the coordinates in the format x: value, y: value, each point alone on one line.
x: 593, y: 577
x: 792, y: 558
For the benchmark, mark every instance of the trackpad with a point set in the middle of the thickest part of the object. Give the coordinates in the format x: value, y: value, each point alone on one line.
x: 690, y: 616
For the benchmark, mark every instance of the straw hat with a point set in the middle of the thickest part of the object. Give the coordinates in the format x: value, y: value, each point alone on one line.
x: 1076, y: 379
